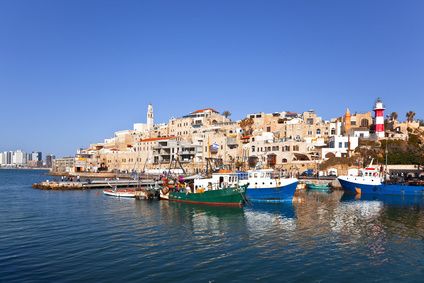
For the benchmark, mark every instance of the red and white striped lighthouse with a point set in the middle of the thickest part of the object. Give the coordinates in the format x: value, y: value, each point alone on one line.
x: 379, y: 118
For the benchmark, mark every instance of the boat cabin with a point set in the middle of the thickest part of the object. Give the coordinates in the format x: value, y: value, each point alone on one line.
x: 260, y: 174
x: 371, y: 172
x: 217, y: 181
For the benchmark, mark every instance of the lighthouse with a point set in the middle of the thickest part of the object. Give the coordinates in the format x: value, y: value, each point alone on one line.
x: 379, y: 118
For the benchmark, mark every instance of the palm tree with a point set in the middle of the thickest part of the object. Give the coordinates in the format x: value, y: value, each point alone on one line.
x: 226, y: 113
x: 394, y: 116
x: 410, y: 116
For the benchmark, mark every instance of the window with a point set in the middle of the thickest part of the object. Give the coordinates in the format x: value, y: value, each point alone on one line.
x: 318, y: 131
x: 346, y: 144
x: 340, y: 144
x: 268, y: 129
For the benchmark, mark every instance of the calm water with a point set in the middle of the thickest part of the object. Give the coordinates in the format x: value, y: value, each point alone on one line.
x: 85, y: 236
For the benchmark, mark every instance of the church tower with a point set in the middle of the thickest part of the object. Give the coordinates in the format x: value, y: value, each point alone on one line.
x: 150, y: 122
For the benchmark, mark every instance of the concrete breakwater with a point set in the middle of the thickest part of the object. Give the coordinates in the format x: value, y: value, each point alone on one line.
x: 96, y: 184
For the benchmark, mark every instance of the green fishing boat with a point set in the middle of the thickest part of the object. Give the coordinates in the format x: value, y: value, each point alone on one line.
x: 318, y: 187
x: 220, y: 190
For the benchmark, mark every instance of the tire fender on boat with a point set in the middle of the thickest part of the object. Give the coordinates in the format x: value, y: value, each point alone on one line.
x: 165, y: 190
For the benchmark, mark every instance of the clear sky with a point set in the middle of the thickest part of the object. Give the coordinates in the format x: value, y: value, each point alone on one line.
x: 73, y: 72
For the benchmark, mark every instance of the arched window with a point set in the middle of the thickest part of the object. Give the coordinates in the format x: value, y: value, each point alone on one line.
x: 364, y: 123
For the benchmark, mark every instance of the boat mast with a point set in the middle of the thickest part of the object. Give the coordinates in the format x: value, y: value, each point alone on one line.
x: 386, y: 152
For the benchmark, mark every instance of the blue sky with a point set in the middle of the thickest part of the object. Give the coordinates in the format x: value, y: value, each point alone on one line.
x: 73, y: 72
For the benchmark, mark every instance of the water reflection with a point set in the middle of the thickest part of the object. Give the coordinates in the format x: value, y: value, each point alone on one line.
x: 271, y: 218
x: 333, y: 223
x: 400, y: 215
x: 390, y: 200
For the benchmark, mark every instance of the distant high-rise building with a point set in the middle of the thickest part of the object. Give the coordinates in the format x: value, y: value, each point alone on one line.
x: 19, y: 158
x: 37, y: 159
x: 49, y: 160
x: 9, y: 156
x: 2, y: 159
x: 37, y: 156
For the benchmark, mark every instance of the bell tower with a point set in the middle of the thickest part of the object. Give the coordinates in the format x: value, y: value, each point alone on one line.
x: 150, y: 121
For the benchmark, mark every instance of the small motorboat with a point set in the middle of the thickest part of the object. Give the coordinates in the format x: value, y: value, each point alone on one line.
x: 318, y: 187
x: 123, y: 193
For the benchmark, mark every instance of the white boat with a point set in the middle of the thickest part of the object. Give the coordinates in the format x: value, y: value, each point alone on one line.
x: 123, y: 193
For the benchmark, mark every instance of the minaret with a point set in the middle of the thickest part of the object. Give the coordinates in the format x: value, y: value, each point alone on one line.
x: 348, y: 118
x: 379, y: 118
x: 150, y: 117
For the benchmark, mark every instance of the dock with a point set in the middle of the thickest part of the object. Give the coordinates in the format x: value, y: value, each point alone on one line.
x: 95, y: 184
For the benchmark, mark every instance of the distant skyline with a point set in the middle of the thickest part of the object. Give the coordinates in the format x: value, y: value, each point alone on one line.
x: 74, y: 72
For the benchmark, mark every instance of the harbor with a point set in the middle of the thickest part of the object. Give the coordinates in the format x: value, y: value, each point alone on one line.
x: 211, y: 141
x: 164, y: 240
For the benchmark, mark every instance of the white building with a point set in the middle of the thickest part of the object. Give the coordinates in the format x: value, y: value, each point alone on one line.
x: 339, y: 146
x: 19, y: 158
x: 36, y: 156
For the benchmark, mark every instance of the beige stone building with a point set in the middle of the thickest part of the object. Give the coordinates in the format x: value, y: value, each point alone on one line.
x: 281, y: 139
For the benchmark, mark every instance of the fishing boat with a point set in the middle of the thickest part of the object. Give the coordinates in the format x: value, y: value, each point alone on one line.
x: 372, y: 181
x: 262, y: 187
x: 222, y: 189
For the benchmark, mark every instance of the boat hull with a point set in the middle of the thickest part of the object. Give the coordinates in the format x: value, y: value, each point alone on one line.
x: 222, y: 197
x: 272, y: 195
x: 120, y: 193
x: 380, y: 189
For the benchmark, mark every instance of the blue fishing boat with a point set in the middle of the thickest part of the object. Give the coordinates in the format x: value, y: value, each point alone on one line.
x: 263, y: 187
x: 371, y: 181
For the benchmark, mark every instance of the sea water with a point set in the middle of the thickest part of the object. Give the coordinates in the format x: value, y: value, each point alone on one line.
x: 84, y: 236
